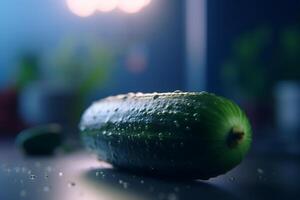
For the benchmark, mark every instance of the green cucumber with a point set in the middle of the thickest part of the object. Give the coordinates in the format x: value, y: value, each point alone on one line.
x: 191, y: 135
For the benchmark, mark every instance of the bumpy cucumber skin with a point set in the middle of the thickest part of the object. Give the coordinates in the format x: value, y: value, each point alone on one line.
x: 173, y: 134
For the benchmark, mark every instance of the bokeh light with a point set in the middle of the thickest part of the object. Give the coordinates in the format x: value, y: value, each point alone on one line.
x: 132, y: 6
x: 85, y: 8
x: 82, y: 8
x: 107, y: 5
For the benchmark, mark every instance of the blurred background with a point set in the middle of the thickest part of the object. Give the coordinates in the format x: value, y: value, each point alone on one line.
x: 57, y: 56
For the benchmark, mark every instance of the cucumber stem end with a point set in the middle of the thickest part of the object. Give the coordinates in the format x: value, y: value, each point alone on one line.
x: 235, y: 137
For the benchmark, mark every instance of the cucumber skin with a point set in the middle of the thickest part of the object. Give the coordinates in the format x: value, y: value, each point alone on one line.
x: 173, y: 134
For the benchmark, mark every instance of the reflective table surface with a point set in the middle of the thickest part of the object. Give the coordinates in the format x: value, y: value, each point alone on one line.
x: 81, y: 176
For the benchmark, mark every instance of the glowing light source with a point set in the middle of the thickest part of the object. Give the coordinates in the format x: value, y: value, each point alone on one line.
x: 85, y: 8
x: 132, y: 6
x: 82, y: 8
x: 107, y: 5
x: 147, y: 2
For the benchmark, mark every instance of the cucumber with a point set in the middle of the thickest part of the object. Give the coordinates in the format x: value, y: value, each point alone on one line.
x: 40, y: 140
x: 179, y: 134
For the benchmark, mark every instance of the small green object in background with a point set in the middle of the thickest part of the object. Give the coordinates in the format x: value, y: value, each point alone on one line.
x: 40, y: 140
x: 28, y: 70
x: 180, y: 134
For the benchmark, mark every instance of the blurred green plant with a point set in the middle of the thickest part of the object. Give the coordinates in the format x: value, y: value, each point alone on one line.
x: 289, y: 61
x: 28, y: 70
x: 244, y: 72
x: 82, y: 65
x: 258, y: 60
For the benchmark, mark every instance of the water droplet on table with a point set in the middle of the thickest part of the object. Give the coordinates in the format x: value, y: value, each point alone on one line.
x: 23, y: 193
x: 32, y: 176
x: 71, y: 184
x: 260, y: 171
x: 46, y: 188
x: 125, y: 185
x: 49, y: 169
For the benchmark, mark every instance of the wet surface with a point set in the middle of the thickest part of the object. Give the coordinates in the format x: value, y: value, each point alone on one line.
x: 81, y: 176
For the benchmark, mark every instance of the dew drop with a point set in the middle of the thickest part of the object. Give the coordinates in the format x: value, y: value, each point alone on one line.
x: 23, y: 193
x: 32, y: 177
x: 71, y: 184
x: 46, y: 188
x: 60, y: 174
x: 176, y: 123
x: 155, y: 96
x: 177, y: 91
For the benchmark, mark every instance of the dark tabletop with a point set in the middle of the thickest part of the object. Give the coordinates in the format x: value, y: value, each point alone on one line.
x: 79, y: 175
